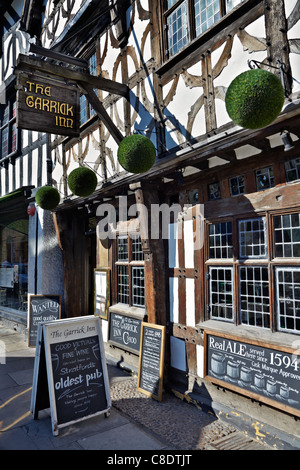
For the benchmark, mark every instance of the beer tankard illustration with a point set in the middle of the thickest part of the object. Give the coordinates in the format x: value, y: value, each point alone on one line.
x: 271, y: 387
x: 259, y: 381
x: 218, y: 364
x: 233, y: 370
x: 284, y: 392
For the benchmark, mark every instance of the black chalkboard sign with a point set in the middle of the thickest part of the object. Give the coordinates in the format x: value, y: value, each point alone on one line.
x: 42, y: 308
x: 76, y: 371
x: 125, y: 331
x: 150, y: 377
x: 266, y: 374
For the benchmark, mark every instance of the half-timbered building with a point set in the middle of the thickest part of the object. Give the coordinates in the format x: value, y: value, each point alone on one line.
x: 206, y: 242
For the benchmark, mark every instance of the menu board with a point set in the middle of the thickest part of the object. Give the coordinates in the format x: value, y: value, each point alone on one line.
x: 267, y: 374
x: 42, y: 308
x: 125, y: 331
x: 76, y: 370
x: 150, y: 378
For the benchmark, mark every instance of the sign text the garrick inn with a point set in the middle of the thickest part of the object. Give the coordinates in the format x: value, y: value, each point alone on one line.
x: 47, y: 106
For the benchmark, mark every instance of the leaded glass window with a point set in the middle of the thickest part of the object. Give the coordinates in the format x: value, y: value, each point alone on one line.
x: 187, y: 19
x: 130, y: 270
x: 221, y: 293
x: 254, y: 296
x: 287, y: 235
x: 252, y: 238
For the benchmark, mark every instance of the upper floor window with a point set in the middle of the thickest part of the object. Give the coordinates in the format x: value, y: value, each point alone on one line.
x: 187, y: 19
x: 86, y: 110
x: 8, y: 128
x: 292, y: 169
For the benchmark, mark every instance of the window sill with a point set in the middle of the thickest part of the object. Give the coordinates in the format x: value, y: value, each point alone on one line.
x: 264, y: 336
x: 17, y: 316
x: 123, y: 309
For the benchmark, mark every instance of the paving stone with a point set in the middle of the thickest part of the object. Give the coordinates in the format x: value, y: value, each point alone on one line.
x: 121, y: 438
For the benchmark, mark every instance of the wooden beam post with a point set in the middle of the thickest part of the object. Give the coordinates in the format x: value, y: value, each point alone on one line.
x: 101, y: 112
x: 277, y: 40
x: 154, y: 253
x: 34, y: 64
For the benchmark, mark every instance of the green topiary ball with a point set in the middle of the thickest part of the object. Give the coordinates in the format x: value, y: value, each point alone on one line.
x: 254, y: 99
x: 47, y: 197
x: 136, y: 153
x: 82, y: 181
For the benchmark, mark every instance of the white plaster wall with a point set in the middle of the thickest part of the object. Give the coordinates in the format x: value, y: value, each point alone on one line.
x: 173, y: 299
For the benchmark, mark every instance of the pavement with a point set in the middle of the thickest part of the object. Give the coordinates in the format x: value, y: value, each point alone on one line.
x: 170, y: 430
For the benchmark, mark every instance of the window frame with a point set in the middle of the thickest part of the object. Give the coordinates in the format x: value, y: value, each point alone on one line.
x: 270, y: 262
x: 89, y: 112
x: 14, y: 144
x: 191, y: 21
x: 131, y: 266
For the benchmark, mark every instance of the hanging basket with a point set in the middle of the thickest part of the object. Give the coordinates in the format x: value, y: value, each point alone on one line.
x: 136, y: 153
x: 47, y: 198
x: 254, y: 99
x: 82, y: 181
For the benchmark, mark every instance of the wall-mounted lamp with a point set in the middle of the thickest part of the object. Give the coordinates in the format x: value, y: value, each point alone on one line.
x: 287, y: 141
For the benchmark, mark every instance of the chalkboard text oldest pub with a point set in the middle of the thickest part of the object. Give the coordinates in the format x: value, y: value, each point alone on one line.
x: 77, y: 376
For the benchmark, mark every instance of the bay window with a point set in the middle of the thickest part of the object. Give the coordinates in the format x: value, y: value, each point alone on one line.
x: 253, y: 269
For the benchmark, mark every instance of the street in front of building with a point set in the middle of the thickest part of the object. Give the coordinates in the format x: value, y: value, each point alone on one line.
x: 136, y: 423
x: 150, y: 220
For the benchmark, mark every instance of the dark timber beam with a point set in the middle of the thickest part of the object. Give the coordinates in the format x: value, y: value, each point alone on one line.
x: 58, y: 56
x: 34, y: 64
x: 101, y: 112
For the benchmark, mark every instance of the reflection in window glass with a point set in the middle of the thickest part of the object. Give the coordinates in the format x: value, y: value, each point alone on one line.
x: 14, y: 265
x: 265, y: 178
x: 230, y: 4
x: 287, y: 235
x: 177, y: 29
x: 220, y: 240
x: 83, y: 109
x: 123, y: 248
x: 123, y: 285
x: 138, y: 287
x: 237, y: 185
x: 288, y: 299
x: 292, y: 169
x: 252, y: 238
x: 254, y: 296
x: 137, y: 251
x: 214, y: 191
x: 221, y: 293
x: 207, y: 12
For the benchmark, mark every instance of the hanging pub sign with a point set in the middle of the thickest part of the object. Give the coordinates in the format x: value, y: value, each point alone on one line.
x: 260, y: 371
x: 46, y: 105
